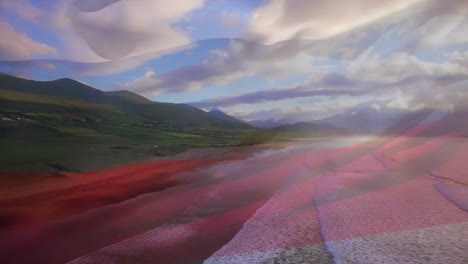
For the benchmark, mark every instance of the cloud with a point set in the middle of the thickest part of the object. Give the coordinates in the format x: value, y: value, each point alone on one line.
x: 399, y: 75
x: 241, y: 59
x: 402, y: 66
x: 73, y: 69
x: 411, y: 83
x: 302, y: 111
x: 116, y: 29
x: 124, y: 64
x: 345, y: 29
x: 230, y: 19
x: 343, y: 49
x: 391, y: 31
x: 184, y: 79
x: 285, y: 116
x: 370, y: 71
x: 147, y: 82
x: 276, y: 95
x: 95, y: 31
x: 16, y: 45
x: 461, y: 58
x: 91, y: 5
x: 22, y: 8
x: 443, y: 30
x: 279, y: 20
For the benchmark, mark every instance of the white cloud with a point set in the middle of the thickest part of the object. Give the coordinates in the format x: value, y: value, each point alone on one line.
x: 16, y: 45
x: 148, y: 82
x: 128, y: 28
x: 377, y: 107
x: 411, y: 83
x: 230, y: 19
x: 397, y: 67
x: 241, y: 59
x: 395, y: 28
x: 443, y: 30
x: 95, y: 31
x: 460, y: 58
x: 402, y: 80
x: 279, y: 20
x: 23, y: 9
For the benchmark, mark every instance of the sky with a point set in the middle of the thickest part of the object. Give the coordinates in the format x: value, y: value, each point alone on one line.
x: 298, y: 60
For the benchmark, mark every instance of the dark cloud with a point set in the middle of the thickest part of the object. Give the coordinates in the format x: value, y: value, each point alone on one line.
x: 274, y: 95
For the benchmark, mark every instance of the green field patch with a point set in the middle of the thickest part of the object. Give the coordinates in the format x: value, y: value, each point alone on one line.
x: 47, y: 115
x: 75, y: 130
x: 120, y: 147
x: 180, y: 134
x: 52, y: 100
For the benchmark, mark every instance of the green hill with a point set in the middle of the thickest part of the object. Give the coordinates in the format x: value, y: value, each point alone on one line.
x: 78, y: 127
x: 72, y: 97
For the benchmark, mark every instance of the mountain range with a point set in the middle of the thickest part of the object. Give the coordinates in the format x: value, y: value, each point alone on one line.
x: 365, y: 119
x: 67, y: 125
x: 71, y: 98
x: 218, y: 113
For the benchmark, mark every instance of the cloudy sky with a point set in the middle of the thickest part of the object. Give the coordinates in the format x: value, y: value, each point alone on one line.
x: 256, y: 59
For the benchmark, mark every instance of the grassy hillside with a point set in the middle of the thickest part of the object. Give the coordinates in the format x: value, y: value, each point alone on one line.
x: 67, y: 95
x: 66, y: 125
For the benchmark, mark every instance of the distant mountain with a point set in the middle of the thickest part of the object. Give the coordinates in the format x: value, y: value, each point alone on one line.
x: 305, y: 128
x: 270, y: 123
x: 432, y: 123
x: 70, y: 98
x: 215, y: 112
x: 365, y: 119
